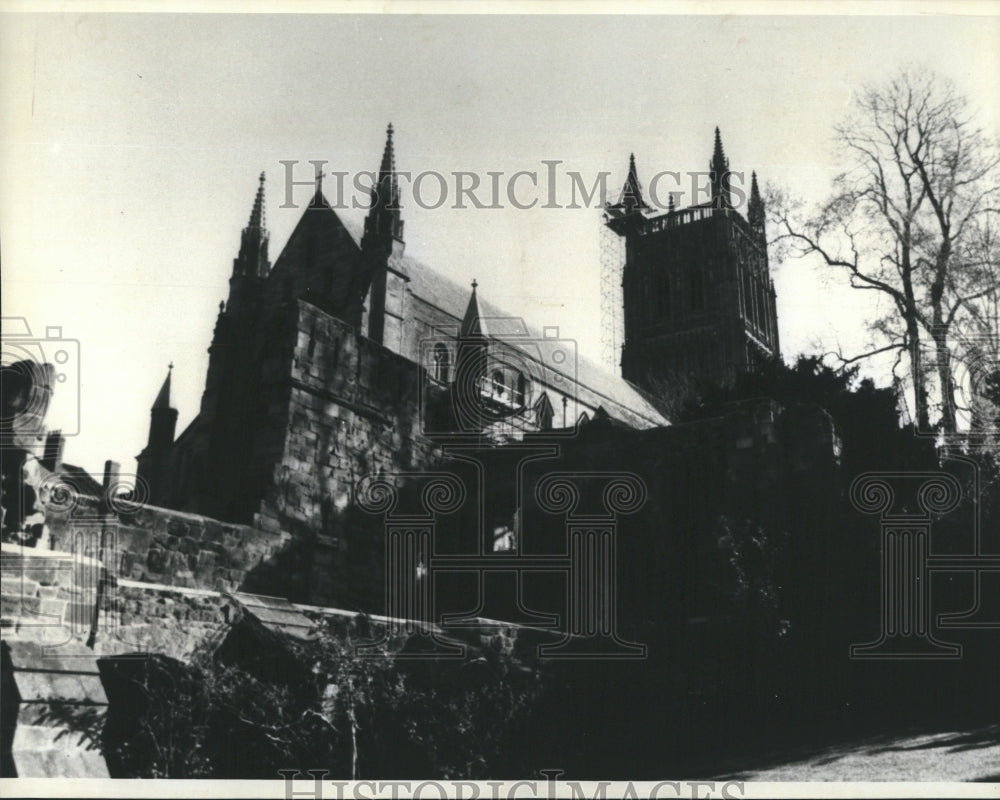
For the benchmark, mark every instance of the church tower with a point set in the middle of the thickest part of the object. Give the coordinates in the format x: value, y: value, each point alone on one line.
x: 236, y: 324
x: 699, y: 303
x: 382, y: 251
x: 162, y: 425
x: 227, y: 402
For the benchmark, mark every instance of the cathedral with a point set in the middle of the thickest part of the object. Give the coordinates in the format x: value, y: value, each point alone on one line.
x: 347, y: 356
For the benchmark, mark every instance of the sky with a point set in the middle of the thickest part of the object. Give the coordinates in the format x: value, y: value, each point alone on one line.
x: 131, y: 144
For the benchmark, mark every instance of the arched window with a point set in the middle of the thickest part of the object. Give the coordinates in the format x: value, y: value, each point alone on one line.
x: 497, y: 380
x: 519, y: 387
x: 543, y: 413
x: 442, y: 362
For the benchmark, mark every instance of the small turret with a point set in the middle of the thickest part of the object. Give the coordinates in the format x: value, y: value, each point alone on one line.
x: 162, y: 425
x: 719, y: 168
x: 631, y: 199
x: 755, y: 208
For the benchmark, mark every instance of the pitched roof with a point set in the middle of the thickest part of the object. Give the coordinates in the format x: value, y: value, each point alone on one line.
x: 622, y: 400
x: 617, y: 395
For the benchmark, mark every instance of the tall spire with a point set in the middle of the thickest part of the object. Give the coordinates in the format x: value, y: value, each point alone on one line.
x: 257, y: 213
x: 162, y: 424
x: 719, y: 161
x: 719, y: 167
x: 388, y: 166
x: 163, y: 398
x: 755, y: 206
x: 252, y: 260
x: 631, y: 196
x: 384, y: 220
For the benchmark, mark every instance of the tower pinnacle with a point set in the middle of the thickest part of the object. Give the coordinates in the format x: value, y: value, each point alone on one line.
x: 252, y: 259
x: 631, y: 196
x: 719, y: 167
x: 384, y: 221
x: 163, y: 398
x: 257, y: 212
x: 755, y: 206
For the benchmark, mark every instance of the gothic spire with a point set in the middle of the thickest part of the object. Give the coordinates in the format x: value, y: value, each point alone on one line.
x: 384, y: 219
x: 719, y: 167
x: 755, y: 206
x: 252, y: 260
x: 163, y: 398
x: 473, y: 323
x: 388, y: 166
x: 719, y: 161
x: 631, y: 196
x: 257, y: 213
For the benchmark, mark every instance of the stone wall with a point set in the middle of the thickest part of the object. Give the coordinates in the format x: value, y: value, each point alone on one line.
x: 344, y: 407
x: 49, y: 598
x: 353, y: 410
x: 167, y: 547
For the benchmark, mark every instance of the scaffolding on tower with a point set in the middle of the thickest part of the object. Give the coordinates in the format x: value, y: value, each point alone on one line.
x: 612, y: 303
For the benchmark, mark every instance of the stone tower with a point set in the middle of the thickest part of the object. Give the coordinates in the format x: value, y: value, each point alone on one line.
x: 699, y: 303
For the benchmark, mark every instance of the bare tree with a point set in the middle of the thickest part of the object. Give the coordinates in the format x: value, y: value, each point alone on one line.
x: 920, y: 182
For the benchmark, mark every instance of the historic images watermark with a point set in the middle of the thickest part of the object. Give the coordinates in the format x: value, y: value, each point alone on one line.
x: 298, y: 785
x: 72, y: 594
x: 546, y: 186
x: 907, y: 504
x: 972, y: 362
x: 33, y: 366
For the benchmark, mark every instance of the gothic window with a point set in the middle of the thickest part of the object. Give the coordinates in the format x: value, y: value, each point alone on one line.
x: 697, y: 289
x: 518, y: 389
x: 497, y: 380
x: 442, y: 362
x: 757, y: 316
x: 543, y: 413
x: 746, y: 293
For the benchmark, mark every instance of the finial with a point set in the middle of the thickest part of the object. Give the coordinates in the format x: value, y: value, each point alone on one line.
x: 257, y: 212
x: 719, y: 160
x: 170, y: 366
x: 474, y: 284
x: 222, y: 306
x: 388, y: 166
x: 319, y: 179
